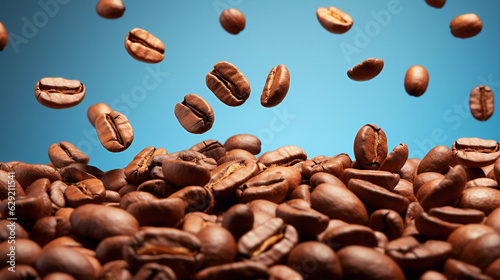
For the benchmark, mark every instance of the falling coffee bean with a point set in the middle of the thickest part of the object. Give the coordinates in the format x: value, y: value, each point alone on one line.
x: 110, y: 9
x: 114, y: 131
x: 466, y: 26
x: 232, y: 20
x: 276, y: 86
x: 143, y: 46
x: 334, y: 20
x: 195, y: 114
x: 366, y: 70
x: 416, y: 80
x: 96, y: 110
x: 59, y: 93
x: 4, y: 37
x: 228, y: 84
x: 482, y: 102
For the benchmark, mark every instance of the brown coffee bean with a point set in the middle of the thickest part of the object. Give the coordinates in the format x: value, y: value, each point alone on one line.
x: 25, y: 252
x: 302, y: 192
x: 194, y: 222
x: 137, y: 171
x: 58, y: 276
x: 97, y: 109
x: 246, y: 142
x: 77, y: 172
x: 226, y: 178
x: 114, y: 179
x: 115, y: 270
x: 360, y: 262
x: 228, y: 84
x: 31, y: 207
x: 323, y: 177
x: 110, y: 249
x: 436, y: 160
x: 276, y: 87
x: 434, y: 227
x: 155, y: 271
x: 65, y: 153
x: 64, y: 259
x: 99, y: 222
x: 494, y: 220
x: 462, y: 236
x: 482, y: 182
x: 210, y: 148
x: 114, y: 131
x: 409, y: 169
x: 26, y: 174
x: 283, y: 156
x: 143, y: 46
x: 475, y: 152
x: 245, y: 270
x: 482, y: 102
x: 197, y: 199
x: 377, y: 197
x: 466, y: 26
x: 172, y: 247
x: 325, y: 260
x: 366, y: 70
x: 493, y: 270
x: 454, y: 269
x: 4, y: 37
x: 59, y: 93
x: 383, y: 179
x: 158, y: 188
x: 167, y: 212
x: 7, y: 227
x: 110, y: 9
x: 195, y: 114
x: 334, y: 20
x: 217, y: 245
x: 337, y: 202
x: 388, y: 222
x: 457, y: 215
x: 48, y: 228
x: 396, y: 159
x: 437, y: 192
x: 283, y: 272
x: 436, y: 3
x: 268, y: 243
x: 332, y: 165
x: 238, y: 220
x: 269, y: 185
x: 185, y: 173
x: 423, y: 178
x: 480, y: 198
x: 298, y: 213
x: 482, y: 251
x: 349, y: 235
x: 416, y: 80
x: 85, y: 192
x: 9, y: 186
x: 370, y: 146
x: 412, y: 255
x: 232, y: 20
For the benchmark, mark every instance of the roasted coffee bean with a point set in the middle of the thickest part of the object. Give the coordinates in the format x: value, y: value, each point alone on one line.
x: 110, y: 249
x: 217, y: 246
x: 210, y: 148
x: 409, y: 169
x: 269, y: 185
x: 167, y: 212
x: 434, y: 227
x: 22, y: 272
x: 228, y: 84
x: 85, y: 192
x: 360, y: 262
x: 194, y: 222
x: 115, y: 270
x: 283, y: 156
x: 48, y: 228
x: 9, y: 186
x: 135, y: 196
x: 454, y: 269
x: 482, y: 102
x: 457, y: 215
x: 494, y: 219
x: 185, y: 173
x: 245, y: 270
x: 326, y: 262
x: 348, y: 235
x: 158, y: 188
x: 11, y: 227
x: 416, y: 80
x: 412, y: 255
x: 388, y: 222
x: 114, y: 131
x: 475, y: 152
x: 64, y: 259
x: 437, y: 192
x: 232, y: 20
x: 482, y: 251
x: 112, y: 196
x: 246, y: 142
x: 384, y: 179
x: 423, y: 178
x: 194, y: 114
x: 96, y: 110
x: 26, y: 174
x: 110, y: 9
x: 137, y: 171
x: 276, y: 87
x: 298, y: 212
x: 432, y: 274
x: 436, y: 160
x: 366, y: 70
x: 31, y: 207
x: 405, y: 188
x: 172, y: 247
x: 462, y: 236
x: 377, y: 197
x: 334, y: 20
x: 337, y: 202
x: 302, y: 192
x: 59, y: 93
x: 65, y: 153
x: 143, y: 46
x: 370, y: 146
x: 197, y: 199
x: 77, y: 172
x: 466, y: 26
x: 238, y: 220
x: 268, y: 243
x: 323, y: 177
x: 114, y: 179
x: 25, y: 252
x: 436, y: 3
x: 58, y: 276
x: 283, y: 272
x: 329, y: 165
x: 396, y: 159
x: 4, y: 37
x: 480, y: 198
x: 226, y: 178
x: 482, y: 182
x: 99, y: 222
x: 155, y: 271
x: 493, y: 270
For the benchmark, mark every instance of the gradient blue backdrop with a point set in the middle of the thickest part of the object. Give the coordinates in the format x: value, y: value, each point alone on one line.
x: 322, y: 111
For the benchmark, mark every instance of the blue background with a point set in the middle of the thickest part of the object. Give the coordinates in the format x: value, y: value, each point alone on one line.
x: 322, y: 112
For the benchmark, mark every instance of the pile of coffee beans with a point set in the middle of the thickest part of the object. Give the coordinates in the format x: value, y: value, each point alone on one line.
x: 226, y: 211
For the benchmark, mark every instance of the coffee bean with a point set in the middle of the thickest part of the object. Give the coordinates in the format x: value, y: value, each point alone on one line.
x: 302, y: 192
x: 283, y: 156
x: 64, y: 259
x: 377, y: 197
x: 26, y: 174
x: 423, y: 178
x: 4, y: 37
x: 462, y: 236
x: 167, y: 212
x: 65, y: 153
x: 383, y: 179
x: 480, y: 198
x: 238, y: 220
x: 436, y: 3
x: 332, y: 165
x: 114, y: 131
x: 325, y: 260
x: 210, y: 148
x: 244, y: 270
x: 246, y: 142
x: 110, y: 249
x: 475, y: 152
x: 416, y: 80
x: 298, y: 213
x: 349, y: 235
x: 334, y: 20
x: 493, y: 270
x: 436, y: 160
x: 387, y: 221
x: 58, y: 276
x: 96, y: 110
x: 433, y: 227
x: 396, y: 159
x: 226, y: 178
x: 185, y: 173
x: 194, y: 222
x: 323, y: 177
x: 85, y: 192
x: 143, y: 46
x: 135, y: 196
x: 482, y: 182
x: 196, y: 199
x: 115, y: 270
x: 409, y: 169
x: 77, y: 172
x: 48, y: 228
x: 195, y: 114
x: 482, y: 102
x: 482, y: 251
x: 110, y: 9
x: 114, y: 179
x: 494, y: 219
x: 59, y: 93
x: 26, y: 252
x: 366, y: 70
x: 269, y: 185
x: 466, y: 26
x: 437, y: 192
x: 8, y: 184
x: 217, y: 245
x: 5, y: 231
x: 360, y: 262
x: 155, y: 271
x: 228, y: 84
x: 276, y: 87
x: 232, y: 20
x: 283, y: 272
x: 137, y: 171
x: 457, y: 215
x: 454, y: 269
x: 370, y: 146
